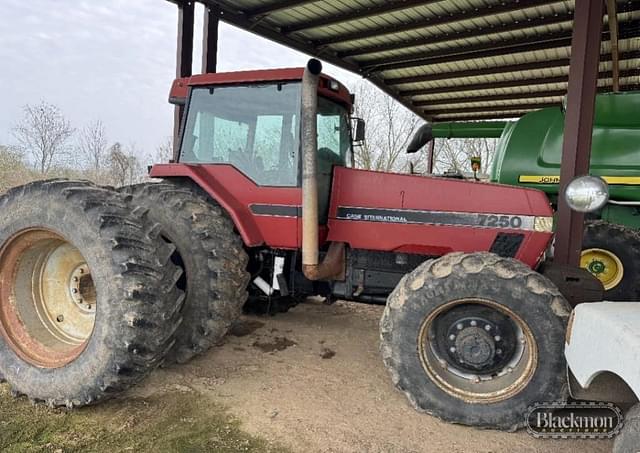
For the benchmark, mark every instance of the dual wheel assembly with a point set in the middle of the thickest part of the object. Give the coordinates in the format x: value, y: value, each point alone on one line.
x: 98, y: 287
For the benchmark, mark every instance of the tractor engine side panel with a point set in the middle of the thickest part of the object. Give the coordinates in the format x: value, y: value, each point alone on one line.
x: 263, y: 215
x: 434, y: 216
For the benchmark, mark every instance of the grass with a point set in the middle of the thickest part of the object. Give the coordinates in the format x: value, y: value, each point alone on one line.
x: 169, y: 422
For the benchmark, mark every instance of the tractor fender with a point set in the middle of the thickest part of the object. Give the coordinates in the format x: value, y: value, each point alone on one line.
x: 216, y: 187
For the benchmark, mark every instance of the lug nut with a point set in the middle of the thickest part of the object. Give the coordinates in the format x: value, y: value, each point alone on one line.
x: 452, y: 349
x: 487, y: 327
x: 75, y: 279
x: 498, y: 351
x: 74, y: 290
x: 474, y: 323
x: 459, y: 326
x: 452, y: 337
x: 497, y: 338
x: 522, y: 340
x: 60, y: 318
x: 510, y: 370
x: 476, y: 379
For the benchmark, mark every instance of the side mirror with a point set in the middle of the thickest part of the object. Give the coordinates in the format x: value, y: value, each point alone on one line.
x: 359, y: 130
x: 423, y: 135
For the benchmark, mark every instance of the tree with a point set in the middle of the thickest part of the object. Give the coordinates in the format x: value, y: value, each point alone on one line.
x: 455, y: 154
x: 164, y: 151
x: 13, y: 170
x: 390, y: 127
x: 92, y: 144
x: 124, y: 166
x: 44, y: 133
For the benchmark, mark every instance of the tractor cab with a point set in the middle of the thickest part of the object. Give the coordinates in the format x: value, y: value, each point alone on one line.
x: 251, y: 120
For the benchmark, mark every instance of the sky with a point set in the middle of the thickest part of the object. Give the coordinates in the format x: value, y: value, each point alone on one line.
x: 113, y: 60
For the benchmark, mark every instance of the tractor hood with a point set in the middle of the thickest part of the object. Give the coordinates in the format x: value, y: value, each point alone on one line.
x: 434, y: 216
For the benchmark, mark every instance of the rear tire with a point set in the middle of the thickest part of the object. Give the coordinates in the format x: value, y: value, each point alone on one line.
x: 612, y: 254
x: 88, y: 304
x: 475, y: 339
x: 211, y: 255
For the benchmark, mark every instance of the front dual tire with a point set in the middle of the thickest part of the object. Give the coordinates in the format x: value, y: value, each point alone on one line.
x: 476, y: 339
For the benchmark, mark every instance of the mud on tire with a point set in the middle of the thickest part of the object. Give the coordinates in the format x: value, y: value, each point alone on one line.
x: 49, y: 227
x: 211, y: 254
x: 508, y: 285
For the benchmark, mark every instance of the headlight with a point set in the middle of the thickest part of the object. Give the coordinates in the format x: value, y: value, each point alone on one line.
x: 543, y: 224
x: 587, y: 193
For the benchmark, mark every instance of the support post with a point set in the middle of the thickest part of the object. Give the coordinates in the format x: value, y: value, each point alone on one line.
x: 210, y: 40
x: 578, y: 124
x: 430, y: 156
x: 612, y: 18
x: 184, y: 62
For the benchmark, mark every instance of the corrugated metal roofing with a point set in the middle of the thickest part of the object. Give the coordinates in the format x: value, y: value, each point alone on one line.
x: 445, y: 59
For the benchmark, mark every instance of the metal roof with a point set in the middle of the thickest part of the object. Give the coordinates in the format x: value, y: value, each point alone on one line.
x: 446, y: 59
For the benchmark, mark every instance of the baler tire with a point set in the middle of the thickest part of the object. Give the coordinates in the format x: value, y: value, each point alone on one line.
x: 628, y: 440
x: 473, y: 279
x: 211, y: 254
x: 132, y: 283
x: 624, y: 244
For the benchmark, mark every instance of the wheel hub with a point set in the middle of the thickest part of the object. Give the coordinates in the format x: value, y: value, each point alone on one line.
x: 475, y: 347
x: 604, y: 265
x: 477, y: 350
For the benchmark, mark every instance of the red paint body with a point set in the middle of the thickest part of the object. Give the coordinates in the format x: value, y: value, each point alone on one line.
x: 180, y: 88
x: 360, y: 188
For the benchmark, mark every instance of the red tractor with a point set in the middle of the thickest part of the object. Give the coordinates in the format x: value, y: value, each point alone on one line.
x: 99, y: 286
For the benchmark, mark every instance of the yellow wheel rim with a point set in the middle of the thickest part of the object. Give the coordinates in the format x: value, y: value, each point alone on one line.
x: 604, y: 265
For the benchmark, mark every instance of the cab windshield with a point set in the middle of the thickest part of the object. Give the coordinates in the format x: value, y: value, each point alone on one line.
x: 256, y: 128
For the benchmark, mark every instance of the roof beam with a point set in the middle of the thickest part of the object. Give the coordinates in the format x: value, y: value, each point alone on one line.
x: 448, y: 55
x: 489, y: 98
x: 490, y: 10
x: 506, y: 84
x: 507, y: 96
x: 488, y: 108
x: 478, y: 72
x: 557, y: 63
x: 270, y: 8
x: 492, y: 116
x: 461, y: 34
x: 363, y: 13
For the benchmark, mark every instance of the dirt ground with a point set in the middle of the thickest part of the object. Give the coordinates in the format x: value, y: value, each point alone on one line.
x: 312, y: 381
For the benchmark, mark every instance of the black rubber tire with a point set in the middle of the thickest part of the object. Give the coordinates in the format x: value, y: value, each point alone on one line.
x: 476, y: 275
x: 137, y: 301
x: 625, y: 244
x: 628, y: 440
x: 212, y: 257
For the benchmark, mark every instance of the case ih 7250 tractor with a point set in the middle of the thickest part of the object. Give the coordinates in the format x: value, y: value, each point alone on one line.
x: 98, y: 286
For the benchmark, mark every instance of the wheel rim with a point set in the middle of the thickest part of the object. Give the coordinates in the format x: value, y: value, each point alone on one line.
x: 604, y: 265
x: 477, y: 350
x: 47, y: 298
